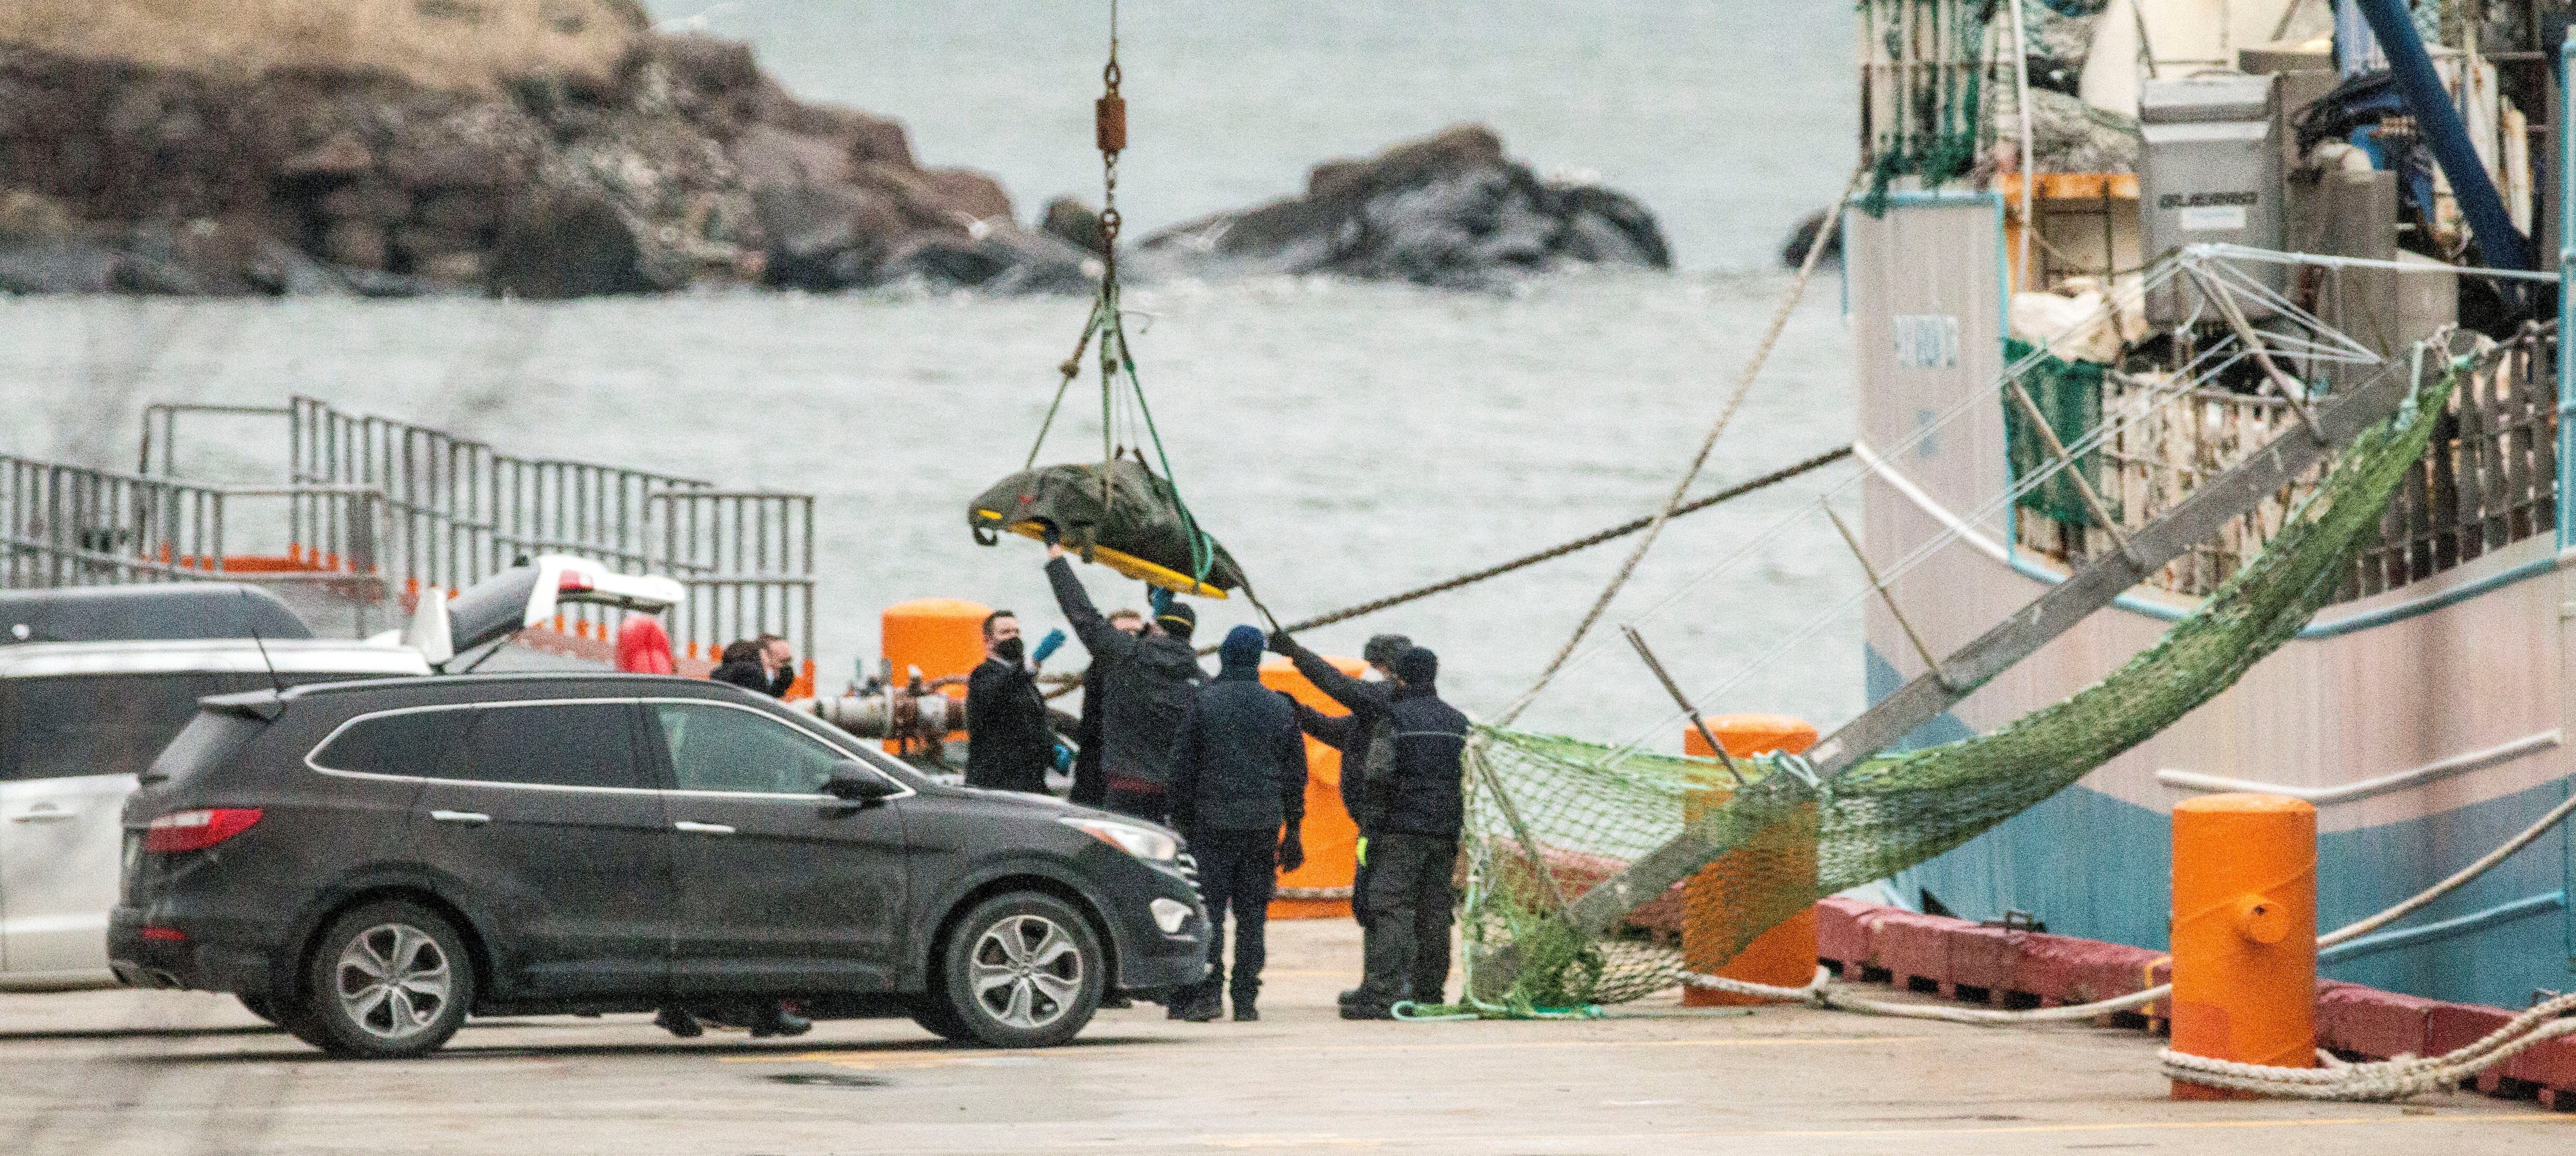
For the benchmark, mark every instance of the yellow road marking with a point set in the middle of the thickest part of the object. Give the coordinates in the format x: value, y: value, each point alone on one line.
x: 1340, y: 1140
x: 1516, y: 1045
x: 870, y: 1057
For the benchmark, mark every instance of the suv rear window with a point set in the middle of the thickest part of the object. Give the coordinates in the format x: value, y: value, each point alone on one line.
x: 96, y: 724
x: 554, y: 745
x: 537, y: 744
x: 420, y: 744
x: 208, y: 739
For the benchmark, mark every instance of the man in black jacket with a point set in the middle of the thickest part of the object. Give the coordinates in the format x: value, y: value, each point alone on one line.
x: 1238, y: 782
x: 741, y: 664
x: 1349, y: 734
x: 1090, y: 782
x: 1412, y: 780
x: 1009, y: 745
x: 1150, y: 678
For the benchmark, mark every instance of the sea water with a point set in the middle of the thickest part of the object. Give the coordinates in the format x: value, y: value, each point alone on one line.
x: 1345, y: 440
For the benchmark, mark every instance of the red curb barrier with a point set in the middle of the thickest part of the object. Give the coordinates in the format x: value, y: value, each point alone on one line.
x: 2366, y: 1022
x: 1842, y: 932
x: 2370, y: 1022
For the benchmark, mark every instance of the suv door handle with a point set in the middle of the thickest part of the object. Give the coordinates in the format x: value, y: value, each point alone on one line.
x: 471, y: 818
x: 702, y: 828
x: 46, y: 813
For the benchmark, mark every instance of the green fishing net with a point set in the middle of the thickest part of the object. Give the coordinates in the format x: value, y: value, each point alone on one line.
x: 2069, y: 395
x: 1551, y: 817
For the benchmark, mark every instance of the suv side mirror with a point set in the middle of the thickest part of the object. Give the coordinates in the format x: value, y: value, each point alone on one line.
x: 856, y: 784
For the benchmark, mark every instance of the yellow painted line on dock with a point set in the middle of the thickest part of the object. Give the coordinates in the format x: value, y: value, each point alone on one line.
x: 1534, y: 1138
x: 921, y: 1058
x: 1520, y: 1045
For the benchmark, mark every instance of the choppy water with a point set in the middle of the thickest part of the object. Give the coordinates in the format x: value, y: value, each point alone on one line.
x: 1345, y: 440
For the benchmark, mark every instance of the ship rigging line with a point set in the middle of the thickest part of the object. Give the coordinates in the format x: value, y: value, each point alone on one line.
x: 1725, y: 416
x: 1621, y: 530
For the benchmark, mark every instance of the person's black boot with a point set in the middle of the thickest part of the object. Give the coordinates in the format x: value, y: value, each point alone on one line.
x: 1205, y: 1007
x: 1363, y: 1009
x: 678, y: 1022
x: 1349, y: 996
x: 773, y: 1019
x: 1244, y: 1010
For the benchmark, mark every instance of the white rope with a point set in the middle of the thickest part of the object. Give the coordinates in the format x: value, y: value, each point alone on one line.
x: 2337, y: 1080
x: 1821, y: 994
x: 2386, y: 1079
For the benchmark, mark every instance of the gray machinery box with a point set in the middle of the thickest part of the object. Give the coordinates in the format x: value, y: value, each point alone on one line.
x: 2210, y: 172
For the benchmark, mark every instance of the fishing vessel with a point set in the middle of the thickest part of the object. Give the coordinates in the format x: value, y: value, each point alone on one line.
x: 2324, y: 185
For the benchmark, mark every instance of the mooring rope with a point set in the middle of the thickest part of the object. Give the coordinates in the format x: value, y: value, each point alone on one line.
x: 2336, y: 1080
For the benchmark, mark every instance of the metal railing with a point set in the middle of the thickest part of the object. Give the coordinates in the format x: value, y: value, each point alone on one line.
x: 2489, y: 479
x: 456, y: 510
x: 63, y: 525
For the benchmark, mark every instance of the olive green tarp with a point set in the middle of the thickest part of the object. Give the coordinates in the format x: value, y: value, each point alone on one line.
x: 1136, y: 518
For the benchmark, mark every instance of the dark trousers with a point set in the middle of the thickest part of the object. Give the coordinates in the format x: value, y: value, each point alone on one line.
x: 1406, y: 946
x: 1359, y: 893
x: 1151, y: 806
x: 1238, y: 871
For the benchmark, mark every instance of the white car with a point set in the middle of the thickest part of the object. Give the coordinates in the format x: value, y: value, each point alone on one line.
x: 84, y: 707
x: 95, y: 680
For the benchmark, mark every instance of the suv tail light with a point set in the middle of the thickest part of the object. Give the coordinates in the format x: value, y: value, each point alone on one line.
x: 573, y: 583
x: 197, y: 830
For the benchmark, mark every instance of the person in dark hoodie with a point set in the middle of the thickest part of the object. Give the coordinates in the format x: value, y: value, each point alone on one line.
x: 1349, y: 734
x: 741, y: 665
x: 1238, y: 795
x: 1151, y: 679
x: 1090, y: 782
x: 1412, y: 782
x: 1009, y: 744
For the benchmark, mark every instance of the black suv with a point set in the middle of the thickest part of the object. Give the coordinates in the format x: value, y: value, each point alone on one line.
x: 368, y: 862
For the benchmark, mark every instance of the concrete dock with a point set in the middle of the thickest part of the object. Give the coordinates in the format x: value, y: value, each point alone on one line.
x: 175, y: 1074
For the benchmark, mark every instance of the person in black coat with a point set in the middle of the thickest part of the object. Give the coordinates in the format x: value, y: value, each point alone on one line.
x: 1349, y: 734
x: 1009, y: 745
x: 741, y: 666
x: 1090, y: 781
x: 1238, y: 795
x: 1412, y: 782
x: 1150, y: 679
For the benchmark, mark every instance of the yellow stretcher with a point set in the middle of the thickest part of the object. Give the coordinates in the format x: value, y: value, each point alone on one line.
x: 1125, y: 564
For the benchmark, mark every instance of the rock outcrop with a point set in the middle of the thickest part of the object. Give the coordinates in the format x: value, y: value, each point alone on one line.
x: 1450, y: 210
x: 681, y: 162
x: 561, y: 148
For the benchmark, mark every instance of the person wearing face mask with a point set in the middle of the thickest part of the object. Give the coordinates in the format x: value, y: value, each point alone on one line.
x: 1009, y: 746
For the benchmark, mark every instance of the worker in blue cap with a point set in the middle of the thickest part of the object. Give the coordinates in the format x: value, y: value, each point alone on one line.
x: 1238, y: 794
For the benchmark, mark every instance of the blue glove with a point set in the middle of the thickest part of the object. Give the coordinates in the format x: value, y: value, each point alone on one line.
x: 1158, y: 598
x: 1048, y: 645
x: 1063, y: 758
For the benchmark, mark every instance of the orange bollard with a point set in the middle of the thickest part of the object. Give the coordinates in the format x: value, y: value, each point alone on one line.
x: 2244, y: 934
x: 942, y: 636
x: 1332, y: 841
x: 1784, y: 956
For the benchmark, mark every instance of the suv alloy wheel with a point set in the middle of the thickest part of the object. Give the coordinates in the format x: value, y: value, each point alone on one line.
x: 387, y: 980
x: 1023, y: 970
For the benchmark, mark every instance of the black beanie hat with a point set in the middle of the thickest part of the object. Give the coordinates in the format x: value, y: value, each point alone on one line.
x: 1178, y: 620
x: 1417, y: 667
x: 1382, y: 648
